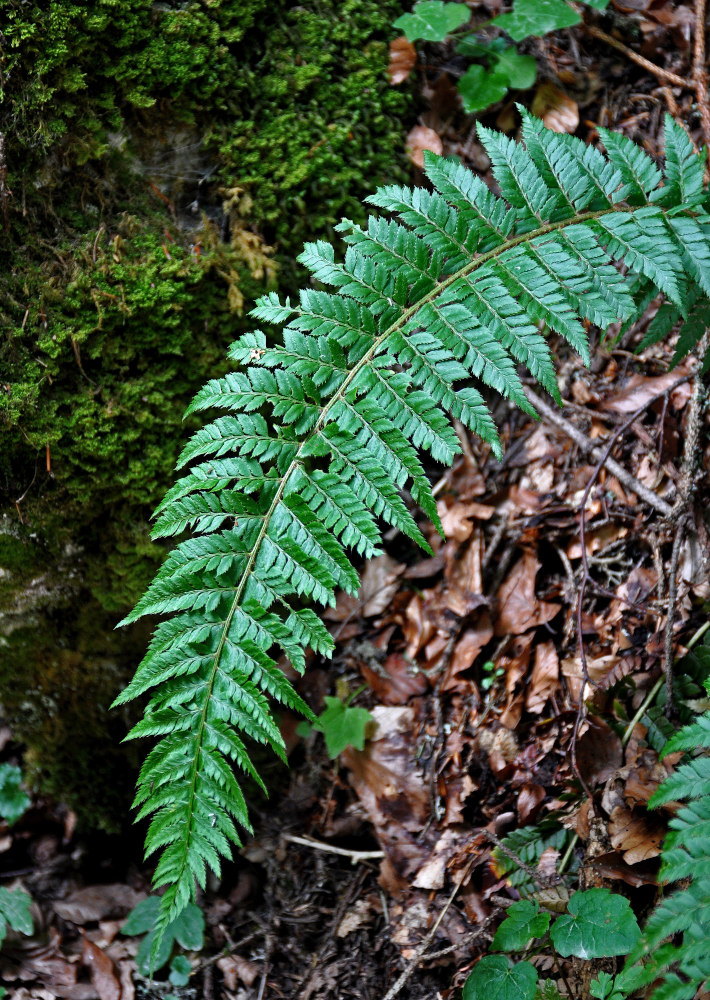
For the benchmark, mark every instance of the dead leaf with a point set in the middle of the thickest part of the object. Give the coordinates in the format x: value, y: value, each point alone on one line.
x: 103, y: 974
x: 530, y: 799
x: 396, y: 681
x: 544, y: 678
x: 359, y: 915
x: 403, y: 59
x: 466, y: 650
x: 236, y: 969
x: 419, y: 139
x: 378, y: 585
x: 97, y: 902
x: 558, y: 111
x: 639, y: 837
x: 518, y: 607
x: 641, y: 389
x: 599, y: 752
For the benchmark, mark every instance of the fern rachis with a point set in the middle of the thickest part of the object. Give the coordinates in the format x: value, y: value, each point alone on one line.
x: 323, y: 431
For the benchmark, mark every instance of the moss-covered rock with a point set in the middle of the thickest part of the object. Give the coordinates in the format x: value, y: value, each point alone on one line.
x: 163, y: 164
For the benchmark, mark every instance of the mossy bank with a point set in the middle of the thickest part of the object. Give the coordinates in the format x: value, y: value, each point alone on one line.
x: 161, y: 165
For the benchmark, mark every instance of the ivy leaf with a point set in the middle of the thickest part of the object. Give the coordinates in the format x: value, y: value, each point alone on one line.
x: 536, y: 17
x: 523, y: 922
x: 496, y: 978
x: 520, y: 70
x: 15, y: 912
x: 479, y: 88
x: 598, y: 924
x: 180, y: 969
x: 432, y: 20
x: 343, y: 726
x: 187, y: 929
x: 14, y: 800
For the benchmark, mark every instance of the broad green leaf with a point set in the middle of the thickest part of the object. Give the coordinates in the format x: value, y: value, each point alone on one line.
x: 180, y: 969
x: 521, y: 70
x: 14, y: 800
x: 15, y: 911
x: 597, y: 4
x: 187, y: 929
x: 536, y: 17
x: 343, y: 726
x: 476, y: 48
x: 432, y: 20
x: 496, y: 978
x: 599, y: 924
x: 523, y: 921
x: 479, y: 88
x: 142, y: 918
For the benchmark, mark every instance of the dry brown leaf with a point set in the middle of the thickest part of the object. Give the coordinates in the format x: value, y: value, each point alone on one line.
x: 518, y: 607
x: 558, y: 111
x: 237, y: 970
x: 396, y: 680
x: 599, y: 752
x: 357, y: 916
x: 639, y: 837
x: 530, y: 799
x: 378, y: 585
x: 419, y: 139
x: 97, y: 902
x: 403, y: 59
x: 466, y: 650
x: 544, y: 678
x: 103, y: 973
x: 641, y: 389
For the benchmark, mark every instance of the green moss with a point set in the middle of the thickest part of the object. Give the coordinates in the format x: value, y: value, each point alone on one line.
x: 154, y: 152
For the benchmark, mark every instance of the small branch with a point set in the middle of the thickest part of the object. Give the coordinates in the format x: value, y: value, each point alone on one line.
x: 595, y: 451
x: 318, y: 845
x: 659, y: 72
x: 700, y: 76
x: 420, y: 952
x: 681, y: 511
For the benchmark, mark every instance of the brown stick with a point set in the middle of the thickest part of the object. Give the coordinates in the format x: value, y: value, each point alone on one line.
x: 659, y: 72
x: 589, y: 448
x: 700, y: 76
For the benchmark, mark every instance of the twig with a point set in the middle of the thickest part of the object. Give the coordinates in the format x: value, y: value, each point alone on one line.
x: 658, y: 71
x: 419, y: 954
x: 589, y: 448
x: 318, y: 845
x: 681, y: 512
x: 700, y: 76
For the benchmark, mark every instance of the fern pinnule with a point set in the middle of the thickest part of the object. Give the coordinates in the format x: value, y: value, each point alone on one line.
x: 319, y: 432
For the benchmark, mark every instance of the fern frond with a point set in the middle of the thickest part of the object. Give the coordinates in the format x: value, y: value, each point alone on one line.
x: 684, y: 966
x: 316, y: 444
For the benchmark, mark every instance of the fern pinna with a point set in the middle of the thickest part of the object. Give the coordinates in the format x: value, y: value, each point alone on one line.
x: 322, y: 429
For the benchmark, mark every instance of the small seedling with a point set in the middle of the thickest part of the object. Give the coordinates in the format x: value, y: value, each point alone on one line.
x: 341, y: 725
x: 492, y: 675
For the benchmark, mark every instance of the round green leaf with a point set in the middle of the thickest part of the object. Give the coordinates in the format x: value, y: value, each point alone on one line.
x: 188, y: 928
x: 180, y: 969
x: 142, y: 918
x: 599, y: 924
x: 479, y: 89
x: 495, y: 978
x: 523, y: 921
x: 432, y: 20
x: 536, y: 17
x: 520, y: 70
x: 14, y: 800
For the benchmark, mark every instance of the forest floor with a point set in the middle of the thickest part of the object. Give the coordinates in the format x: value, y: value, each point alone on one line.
x: 516, y: 679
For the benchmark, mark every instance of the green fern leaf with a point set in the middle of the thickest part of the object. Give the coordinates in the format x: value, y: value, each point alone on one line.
x: 316, y: 445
